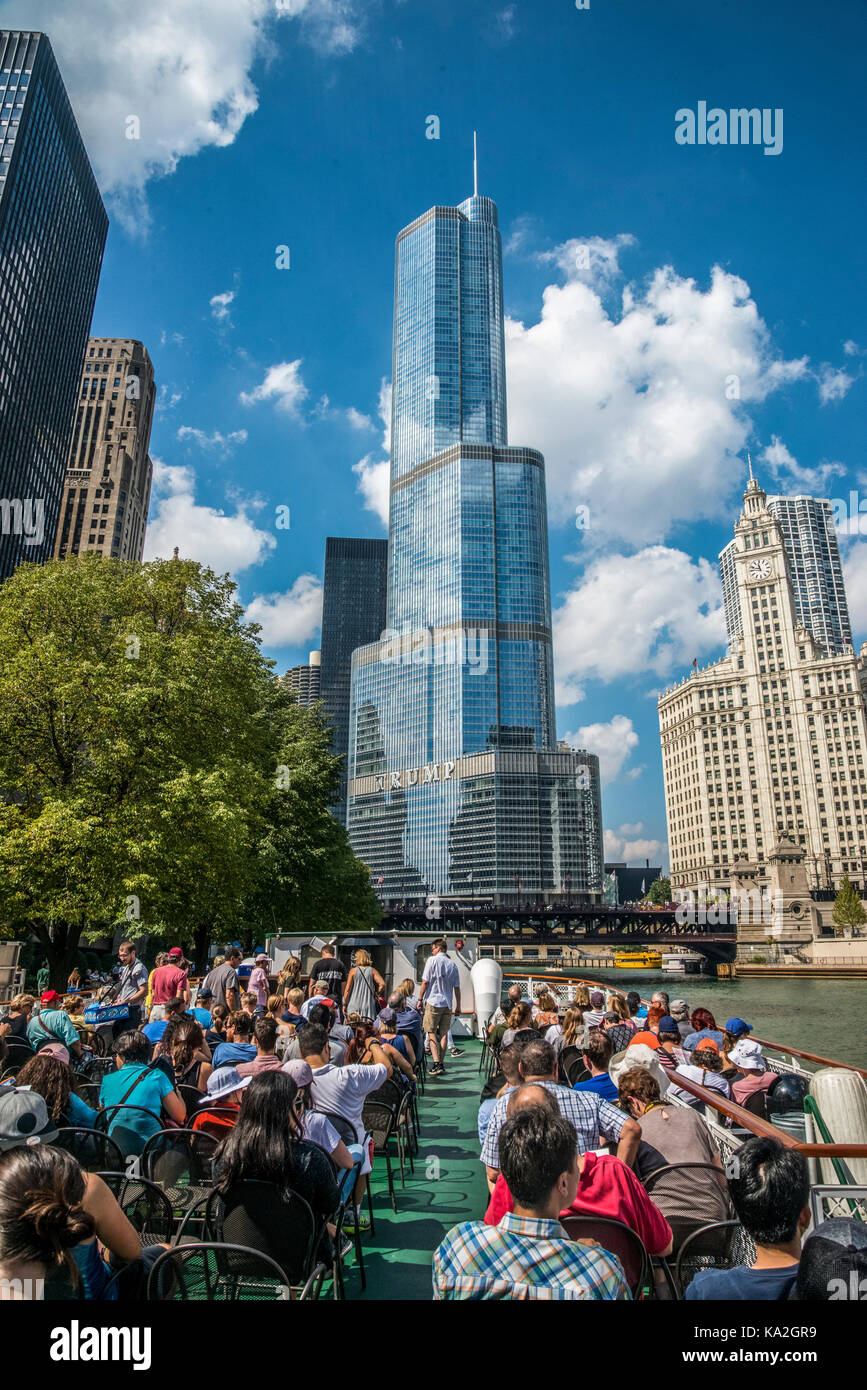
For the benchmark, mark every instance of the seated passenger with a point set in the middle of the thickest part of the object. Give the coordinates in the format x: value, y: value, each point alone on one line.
x: 266, y: 1059
x: 527, y: 1255
x: 703, y: 1028
x: 50, y: 1075
x: 237, y: 1047
x: 833, y: 1263
x: 674, y: 1134
x: 705, y: 1067
x: 754, y: 1072
x: 771, y: 1195
x: 520, y: 1025
x: 592, y: 1118
x: 136, y: 1083
x: 606, y: 1187
x: 501, y: 1084
x: 597, y: 1055
x: 222, y: 1104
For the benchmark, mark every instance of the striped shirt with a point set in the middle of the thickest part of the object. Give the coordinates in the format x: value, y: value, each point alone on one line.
x: 593, y: 1119
x: 523, y: 1258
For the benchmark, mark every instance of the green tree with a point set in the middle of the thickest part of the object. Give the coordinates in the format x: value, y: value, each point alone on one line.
x: 660, y: 891
x: 848, y: 907
x: 141, y: 731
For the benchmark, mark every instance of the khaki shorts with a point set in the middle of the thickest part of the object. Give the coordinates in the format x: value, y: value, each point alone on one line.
x: 437, y: 1021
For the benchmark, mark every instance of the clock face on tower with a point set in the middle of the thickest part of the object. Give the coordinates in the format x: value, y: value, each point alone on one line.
x: 760, y: 569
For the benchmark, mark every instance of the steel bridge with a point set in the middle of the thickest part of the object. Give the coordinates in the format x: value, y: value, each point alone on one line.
x: 569, y: 926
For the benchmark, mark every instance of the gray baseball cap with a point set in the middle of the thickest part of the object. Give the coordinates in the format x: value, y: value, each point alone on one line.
x: 24, y: 1119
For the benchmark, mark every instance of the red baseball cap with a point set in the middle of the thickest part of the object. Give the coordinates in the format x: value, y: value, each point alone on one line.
x: 48, y: 996
x: 176, y: 953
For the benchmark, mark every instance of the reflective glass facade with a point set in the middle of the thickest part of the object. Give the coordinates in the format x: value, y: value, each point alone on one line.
x: 52, y: 234
x: 456, y: 783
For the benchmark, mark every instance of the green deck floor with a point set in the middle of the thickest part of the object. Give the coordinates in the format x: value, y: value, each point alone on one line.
x: 448, y: 1186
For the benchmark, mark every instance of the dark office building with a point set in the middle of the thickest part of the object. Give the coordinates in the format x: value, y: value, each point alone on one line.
x: 353, y: 613
x: 52, y: 234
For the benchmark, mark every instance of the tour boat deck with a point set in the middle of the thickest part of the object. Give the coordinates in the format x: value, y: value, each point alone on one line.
x: 448, y: 1186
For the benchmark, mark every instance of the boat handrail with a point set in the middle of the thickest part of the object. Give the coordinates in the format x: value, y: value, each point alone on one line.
x: 764, y: 1129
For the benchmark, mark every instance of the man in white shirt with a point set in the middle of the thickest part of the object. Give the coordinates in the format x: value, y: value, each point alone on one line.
x: 343, y: 1090
x: 442, y: 978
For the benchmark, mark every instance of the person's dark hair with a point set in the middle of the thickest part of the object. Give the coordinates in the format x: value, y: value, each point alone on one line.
x: 708, y: 1059
x: 327, y: 950
x: 234, y: 953
x: 633, y: 1002
x: 510, y: 1058
x: 41, y: 1216
x: 598, y: 1050
x: 669, y: 1037
x: 535, y: 1148
x: 321, y: 1017
x: 265, y: 1032
x: 241, y: 1021
x: 261, y: 1145
x: 174, y: 1007
x: 312, y: 1041
x: 702, y: 1018
x: 770, y: 1191
x: 52, y: 1080
x: 363, y: 1034
x: 181, y: 1041
x: 133, y: 1046
x: 219, y: 1014
x: 538, y: 1058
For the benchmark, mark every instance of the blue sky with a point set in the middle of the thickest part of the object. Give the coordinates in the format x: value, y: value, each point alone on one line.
x: 303, y: 125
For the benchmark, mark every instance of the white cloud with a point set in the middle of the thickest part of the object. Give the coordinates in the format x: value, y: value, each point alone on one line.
x: 359, y: 421
x: 624, y: 845
x: 834, y: 383
x: 225, y: 542
x: 851, y: 348
x: 290, y: 619
x: 220, y: 305
x: 854, y: 557
x: 224, y: 442
x: 594, y: 260
x: 612, y: 743
x: 374, y: 475
x: 633, y: 614
x: 181, y: 68
x: 632, y: 411
x: 167, y: 400
x: 282, y: 383
x: 785, y: 467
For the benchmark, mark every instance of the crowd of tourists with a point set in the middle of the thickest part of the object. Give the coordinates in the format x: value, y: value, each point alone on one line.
x: 277, y: 1069
x: 583, y: 1121
x: 589, y: 1115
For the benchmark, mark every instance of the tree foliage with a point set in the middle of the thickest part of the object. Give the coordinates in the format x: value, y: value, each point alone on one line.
x: 140, y: 734
x: 848, y: 908
x: 659, y: 891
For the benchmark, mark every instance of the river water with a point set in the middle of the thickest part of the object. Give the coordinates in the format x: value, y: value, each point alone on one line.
x: 822, y: 1016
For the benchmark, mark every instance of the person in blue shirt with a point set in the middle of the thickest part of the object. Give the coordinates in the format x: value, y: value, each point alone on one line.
x: 704, y: 1026
x: 238, y: 1047
x: 50, y: 1075
x: 201, y: 1009
x: 138, y: 1083
x: 597, y: 1055
x: 52, y: 1024
x: 771, y: 1198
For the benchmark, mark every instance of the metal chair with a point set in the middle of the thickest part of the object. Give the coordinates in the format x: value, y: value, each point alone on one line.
x: 216, y: 1273
x: 190, y: 1095
x: 88, y: 1091
x: 96, y: 1152
x: 618, y: 1239
x: 96, y: 1067
x: 259, y: 1216
x: 345, y: 1209
x: 576, y: 1071
x: 17, y: 1053
x: 118, y: 1121
x: 181, y: 1162
x: 145, y: 1205
x: 379, y: 1121
x: 718, y: 1245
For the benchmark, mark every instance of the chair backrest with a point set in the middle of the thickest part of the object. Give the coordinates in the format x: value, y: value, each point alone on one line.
x: 718, y: 1245
x: 345, y: 1128
x: 96, y: 1152
x: 179, y: 1158
x: 190, y: 1095
x: 390, y: 1094
x: 263, y: 1217
x: 95, y: 1068
x: 671, y: 1185
x: 88, y: 1091
x: 214, y: 1272
x: 757, y: 1104
x: 617, y: 1238
x: 145, y: 1205
x: 576, y: 1071
x: 129, y: 1125
x: 378, y: 1120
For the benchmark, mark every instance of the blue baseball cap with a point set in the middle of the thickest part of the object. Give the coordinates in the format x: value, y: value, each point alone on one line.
x: 738, y: 1027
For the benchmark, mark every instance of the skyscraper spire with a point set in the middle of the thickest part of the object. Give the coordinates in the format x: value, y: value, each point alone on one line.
x: 475, y: 169
x: 750, y: 463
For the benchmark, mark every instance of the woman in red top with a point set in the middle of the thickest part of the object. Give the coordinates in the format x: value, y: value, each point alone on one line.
x: 606, y: 1187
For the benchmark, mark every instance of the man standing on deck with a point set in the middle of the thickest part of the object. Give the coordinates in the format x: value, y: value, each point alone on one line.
x: 441, y: 977
x: 527, y: 1255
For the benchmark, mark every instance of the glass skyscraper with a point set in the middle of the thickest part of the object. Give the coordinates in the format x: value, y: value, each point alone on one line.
x: 815, y: 572
x: 353, y: 612
x: 457, y: 785
x: 52, y: 234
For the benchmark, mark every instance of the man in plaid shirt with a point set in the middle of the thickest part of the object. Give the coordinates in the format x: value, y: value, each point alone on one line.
x: 528, y: 1255
x: 593, y: 1120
